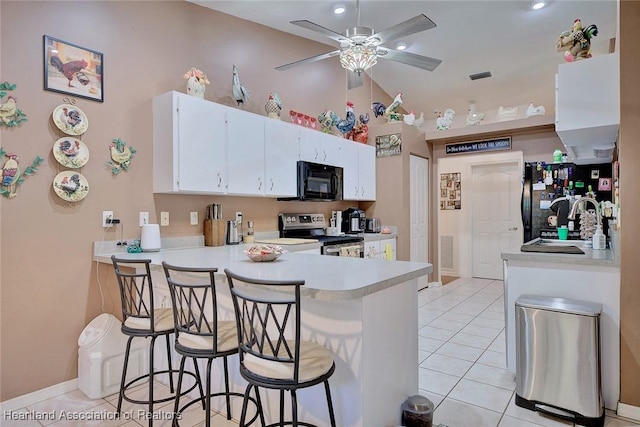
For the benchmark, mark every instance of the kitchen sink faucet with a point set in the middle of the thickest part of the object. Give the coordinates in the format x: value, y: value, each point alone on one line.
x: 574, y: 209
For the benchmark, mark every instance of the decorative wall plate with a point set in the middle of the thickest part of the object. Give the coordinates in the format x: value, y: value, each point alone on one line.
x: 71, y: 186
x: 71, y: 152
x: 70, y: 119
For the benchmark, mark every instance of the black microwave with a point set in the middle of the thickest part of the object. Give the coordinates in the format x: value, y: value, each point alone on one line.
x: 319, y: 182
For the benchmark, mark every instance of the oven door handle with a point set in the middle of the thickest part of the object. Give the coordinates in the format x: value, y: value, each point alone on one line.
x: 331, y: 251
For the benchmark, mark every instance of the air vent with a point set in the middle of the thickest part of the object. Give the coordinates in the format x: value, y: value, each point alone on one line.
x: 479, y: 76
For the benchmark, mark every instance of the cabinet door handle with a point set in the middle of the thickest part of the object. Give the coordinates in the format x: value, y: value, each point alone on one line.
x: 259, y: 183
x: 325, y: 155
x: 219, y: 180
x: 317, y: 154
x: 271, y: 189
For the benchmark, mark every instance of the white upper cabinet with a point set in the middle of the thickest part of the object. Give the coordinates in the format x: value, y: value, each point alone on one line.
x: 588, y: 107
x: 280, y: 158
x: 319, y: 147
x: 245, y: 153
x: 358, y: 162
x: 189, y: 146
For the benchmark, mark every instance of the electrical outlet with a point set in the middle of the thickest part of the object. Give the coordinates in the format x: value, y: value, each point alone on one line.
x: 239, y: 217
x: 164, y: 218
x: 105, y: 216
x: 144, y: 218
x: 194, y: 218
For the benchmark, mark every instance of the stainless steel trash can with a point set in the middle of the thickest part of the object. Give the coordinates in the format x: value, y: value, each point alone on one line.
x: 558, y: 358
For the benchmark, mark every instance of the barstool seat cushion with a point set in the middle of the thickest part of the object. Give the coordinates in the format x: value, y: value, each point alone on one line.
x: 227, y: 338
x: 315, y: 360
x: 163, y: 318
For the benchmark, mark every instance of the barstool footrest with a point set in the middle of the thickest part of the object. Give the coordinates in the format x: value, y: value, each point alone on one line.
x: 146, y: 377
x: 232, y: 393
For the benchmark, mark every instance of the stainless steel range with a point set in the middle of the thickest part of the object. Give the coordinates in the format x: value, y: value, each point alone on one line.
x: 312, y: 226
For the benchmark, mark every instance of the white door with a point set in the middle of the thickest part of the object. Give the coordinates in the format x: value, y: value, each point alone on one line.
x: 419, y: 213
x: 496, y: 220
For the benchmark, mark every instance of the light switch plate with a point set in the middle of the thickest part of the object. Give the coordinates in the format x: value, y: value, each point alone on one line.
x: 164, y: 218
x: 105, y: 216
x: 194, y: 218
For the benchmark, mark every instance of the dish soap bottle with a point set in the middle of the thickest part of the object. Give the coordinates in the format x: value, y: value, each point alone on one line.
x: 599, y: 239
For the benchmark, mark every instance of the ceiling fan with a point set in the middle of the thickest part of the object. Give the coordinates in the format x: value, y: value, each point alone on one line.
x: 360, y: 47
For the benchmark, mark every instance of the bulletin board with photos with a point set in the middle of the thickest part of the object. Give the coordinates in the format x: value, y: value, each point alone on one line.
x: 450, y: 191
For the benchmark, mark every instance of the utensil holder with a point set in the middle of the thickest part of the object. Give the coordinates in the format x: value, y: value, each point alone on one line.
x: 214, y: 232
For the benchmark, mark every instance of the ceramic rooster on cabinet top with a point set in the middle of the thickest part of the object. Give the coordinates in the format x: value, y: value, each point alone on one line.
x: 239, y: 91
x: 344, y: 126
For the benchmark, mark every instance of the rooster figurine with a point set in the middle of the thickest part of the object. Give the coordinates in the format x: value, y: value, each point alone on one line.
x: 327, y: 119
x: 534, y: 111
x: 419, y: 121
x: 391, y: 112
x: 576, y: 43
x: 409, y: 119
x: 360, y: 132
x: 378, y: 109
x: 239, y: 91
x: 344, y: 126
x: 69, y: 69
x: 11, y: 174
x: 273, y: 107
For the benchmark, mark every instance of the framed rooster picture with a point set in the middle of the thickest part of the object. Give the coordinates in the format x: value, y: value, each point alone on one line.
x: 73, y: 70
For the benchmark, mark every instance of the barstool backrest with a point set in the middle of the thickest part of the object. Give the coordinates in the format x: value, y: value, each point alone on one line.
x: 136, y: 294
x: 194, y: 298
x: 268, y: 319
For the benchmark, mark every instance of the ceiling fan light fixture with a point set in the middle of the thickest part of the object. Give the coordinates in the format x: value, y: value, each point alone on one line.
x: 358, y: 58
x: 401, y: 46
x: 339, y: 9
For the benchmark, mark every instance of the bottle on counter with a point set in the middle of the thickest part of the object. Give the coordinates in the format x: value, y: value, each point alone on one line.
x: 599, y: 239
x: 249, y: 236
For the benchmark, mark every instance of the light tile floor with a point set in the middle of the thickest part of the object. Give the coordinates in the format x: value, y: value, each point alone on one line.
x: 461, y: 370
x: 462, y: 367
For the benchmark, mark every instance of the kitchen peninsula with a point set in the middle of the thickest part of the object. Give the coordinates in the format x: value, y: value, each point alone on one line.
x: 593, y: 276
x: 363, y: 310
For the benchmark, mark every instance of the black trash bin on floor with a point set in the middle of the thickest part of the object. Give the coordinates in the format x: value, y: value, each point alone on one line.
x: 417, y: 411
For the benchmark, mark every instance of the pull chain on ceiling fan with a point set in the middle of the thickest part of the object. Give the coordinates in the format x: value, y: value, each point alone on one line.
x: 361, y: 47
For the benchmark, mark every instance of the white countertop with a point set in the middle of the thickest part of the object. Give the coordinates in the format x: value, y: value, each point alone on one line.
x: 326, y: 277
x: 601, y: 258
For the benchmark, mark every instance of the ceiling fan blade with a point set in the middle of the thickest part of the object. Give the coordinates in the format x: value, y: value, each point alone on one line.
x: 354, y: 80
x: 410, y: 26
x: 310, y: 59
x: 408, y: 58
x: 320, y: 29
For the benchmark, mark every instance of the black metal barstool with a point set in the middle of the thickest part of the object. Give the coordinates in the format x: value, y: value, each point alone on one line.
x: 140, y: 319
x: 200, y: 334
x: 272, y: 354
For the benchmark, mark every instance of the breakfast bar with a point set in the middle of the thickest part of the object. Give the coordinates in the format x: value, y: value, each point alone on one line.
x: 363, y: 310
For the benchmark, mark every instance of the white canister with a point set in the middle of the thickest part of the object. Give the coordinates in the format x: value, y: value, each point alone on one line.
x: 150, y: 238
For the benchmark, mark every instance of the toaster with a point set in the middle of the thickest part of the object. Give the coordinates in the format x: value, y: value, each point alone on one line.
x: 372, y: 226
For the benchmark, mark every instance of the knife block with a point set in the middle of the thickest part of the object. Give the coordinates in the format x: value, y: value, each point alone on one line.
x: 214, y: 230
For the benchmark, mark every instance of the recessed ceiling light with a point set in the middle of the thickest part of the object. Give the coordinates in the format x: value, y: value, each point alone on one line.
x: 338, y: 9
x: 401, y: 46
x: 538, y: 4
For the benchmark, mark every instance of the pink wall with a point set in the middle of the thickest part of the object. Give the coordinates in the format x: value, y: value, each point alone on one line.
x: 49, y: 286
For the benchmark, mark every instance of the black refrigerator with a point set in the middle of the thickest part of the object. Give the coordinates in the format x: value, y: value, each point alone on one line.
x: 544, y: 182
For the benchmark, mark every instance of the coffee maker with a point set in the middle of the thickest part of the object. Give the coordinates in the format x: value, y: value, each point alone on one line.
x: 354, y: 221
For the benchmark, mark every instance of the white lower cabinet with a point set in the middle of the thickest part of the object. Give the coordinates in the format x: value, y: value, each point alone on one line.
x: 358, y: 162
x: 380, y: 249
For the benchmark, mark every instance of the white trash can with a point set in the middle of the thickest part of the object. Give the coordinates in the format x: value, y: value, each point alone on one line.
x: 101, y: 357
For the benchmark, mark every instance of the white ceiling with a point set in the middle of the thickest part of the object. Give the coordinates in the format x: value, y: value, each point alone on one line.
x: 507, y: 38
